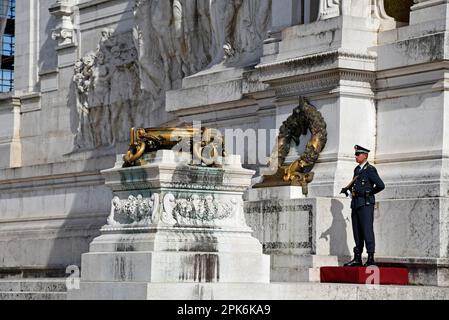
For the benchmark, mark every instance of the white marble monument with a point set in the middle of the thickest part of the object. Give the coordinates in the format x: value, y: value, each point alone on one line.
x: 86, y: 71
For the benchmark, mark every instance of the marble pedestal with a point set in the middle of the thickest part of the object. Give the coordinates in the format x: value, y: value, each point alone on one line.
x: 300, y: 234
x: 303, y: 234
x: 171, y: 222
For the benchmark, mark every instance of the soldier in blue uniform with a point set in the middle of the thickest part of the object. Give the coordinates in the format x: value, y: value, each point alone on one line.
x: 363, y: 187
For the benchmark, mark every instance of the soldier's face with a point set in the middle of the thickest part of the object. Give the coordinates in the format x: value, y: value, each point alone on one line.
x: 361, y: 157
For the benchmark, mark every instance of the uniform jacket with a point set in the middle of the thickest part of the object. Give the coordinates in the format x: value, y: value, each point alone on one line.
x: 367, y: 184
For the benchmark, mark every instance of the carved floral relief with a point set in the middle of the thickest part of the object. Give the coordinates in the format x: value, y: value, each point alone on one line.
x: 197, y: 209
x: 133, y: 211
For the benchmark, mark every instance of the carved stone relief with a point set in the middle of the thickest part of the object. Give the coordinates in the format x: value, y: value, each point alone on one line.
x: 122, y: 84
x: 108, y: 89
x: 134, y: 211
x: 174, y: 40
x: 238, y: 30
x: 197, y: 209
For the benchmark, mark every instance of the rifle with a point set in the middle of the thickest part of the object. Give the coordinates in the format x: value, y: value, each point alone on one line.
x: 349, y: 186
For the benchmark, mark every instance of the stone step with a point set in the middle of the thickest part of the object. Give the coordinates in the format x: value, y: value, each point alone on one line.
x: 33, y: 285
x: 15, y: 287
x: 299, y: 268
x: 33, y: 289
x: 23, y: 295
x: 254, y: 291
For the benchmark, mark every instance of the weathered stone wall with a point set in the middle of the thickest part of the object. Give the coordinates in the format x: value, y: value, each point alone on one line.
x: 88, y: 70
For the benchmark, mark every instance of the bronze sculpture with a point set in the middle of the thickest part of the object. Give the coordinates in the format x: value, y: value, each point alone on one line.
x: 304, y: 118
x: 205, y: 144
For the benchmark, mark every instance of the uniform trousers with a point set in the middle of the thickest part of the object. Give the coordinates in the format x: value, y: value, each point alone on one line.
x: 362, y: 228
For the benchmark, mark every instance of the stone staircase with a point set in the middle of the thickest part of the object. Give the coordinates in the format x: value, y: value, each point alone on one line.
x: 55, y: 289
x: 33, y: 289
x: 299, y: 268
x: 255, y: 291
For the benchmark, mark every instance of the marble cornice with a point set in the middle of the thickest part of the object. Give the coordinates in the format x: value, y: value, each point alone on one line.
x: 90, y: 3
x: 325, y: 81
x: 49, y: 182
x: 300, y: 65
x: 9, y: 101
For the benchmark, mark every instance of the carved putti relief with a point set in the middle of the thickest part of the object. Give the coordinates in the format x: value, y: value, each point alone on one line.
x: 134, y: 211
x: 197, y: 209
x: 122, y: 83
x: 107, y: 84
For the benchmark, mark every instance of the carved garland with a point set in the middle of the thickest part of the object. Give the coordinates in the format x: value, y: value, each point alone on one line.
x: 196, y: 209
x: 134, y: 211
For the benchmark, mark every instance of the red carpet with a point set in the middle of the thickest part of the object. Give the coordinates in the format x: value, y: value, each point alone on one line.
x: 360, y: 275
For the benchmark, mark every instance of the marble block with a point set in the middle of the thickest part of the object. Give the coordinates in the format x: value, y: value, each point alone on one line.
x: 175, y: 222
x: 213, y: 86
x: 303, y: 234
x: 300, y: 235
x: 282, y: 192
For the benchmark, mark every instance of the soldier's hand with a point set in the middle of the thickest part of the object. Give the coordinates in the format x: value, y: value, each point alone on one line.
x: 345, y: 191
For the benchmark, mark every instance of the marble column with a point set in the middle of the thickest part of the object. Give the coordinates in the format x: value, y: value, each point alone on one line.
x: 10, y: 144
x: 27, y: 46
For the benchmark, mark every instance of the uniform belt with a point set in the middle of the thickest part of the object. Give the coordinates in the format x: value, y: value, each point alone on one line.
x: 358, y: 194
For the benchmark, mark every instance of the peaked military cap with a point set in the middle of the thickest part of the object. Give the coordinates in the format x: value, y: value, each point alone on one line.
x: 358, y: 149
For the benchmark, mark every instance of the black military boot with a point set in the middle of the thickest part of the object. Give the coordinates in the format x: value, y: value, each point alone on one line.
x: 370, y: 261
x: 357, y: 261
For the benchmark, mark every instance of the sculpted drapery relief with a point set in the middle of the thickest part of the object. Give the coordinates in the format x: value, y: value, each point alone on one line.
x: 123, y: 82
x: 107, y: 82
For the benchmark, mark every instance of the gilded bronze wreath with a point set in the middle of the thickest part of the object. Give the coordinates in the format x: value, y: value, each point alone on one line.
x: 304, y: 118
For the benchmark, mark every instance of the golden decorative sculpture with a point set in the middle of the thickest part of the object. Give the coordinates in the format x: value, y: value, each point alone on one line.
x: 205, y: 144
x: 304, y: 118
